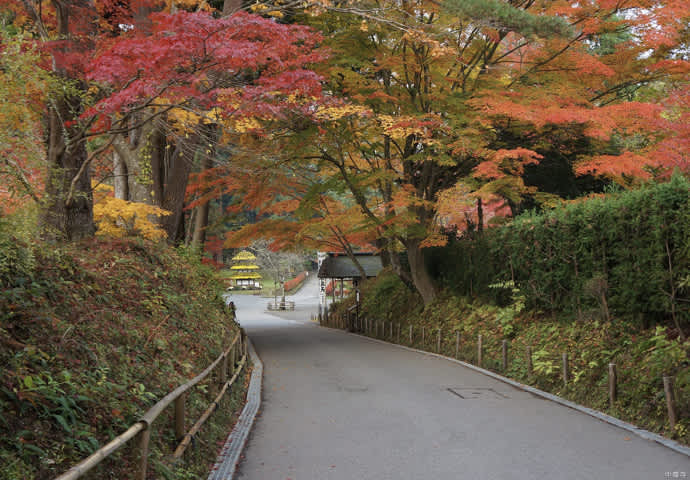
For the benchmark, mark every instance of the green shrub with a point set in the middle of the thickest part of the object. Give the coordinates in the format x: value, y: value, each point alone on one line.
x: 17, y: 260
x: 624, y: 255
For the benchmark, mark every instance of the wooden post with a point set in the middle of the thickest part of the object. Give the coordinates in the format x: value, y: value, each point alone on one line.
x: 457, y: 344
x: 438, y: 341
x: 613, y: 387
x: 410, y: 334
x: 422, y: 337
x: 398, y: 333
x: 144, y: 452
x: 224, y: 370
x: 670, y: 401
x: 179, y: 417
x: 565, y: 369
x: 530, y: 365
x: 504, y: 351
x: 480, y: 350
x: 391, y: 336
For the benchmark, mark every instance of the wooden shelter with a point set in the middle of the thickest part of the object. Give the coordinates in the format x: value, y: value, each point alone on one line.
x: 339, y: 267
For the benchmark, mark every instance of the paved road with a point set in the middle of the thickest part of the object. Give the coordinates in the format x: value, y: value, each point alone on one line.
x: 338, y: 406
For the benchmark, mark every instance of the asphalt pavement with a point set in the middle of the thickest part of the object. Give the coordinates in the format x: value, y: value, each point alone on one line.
x: 340, y: 406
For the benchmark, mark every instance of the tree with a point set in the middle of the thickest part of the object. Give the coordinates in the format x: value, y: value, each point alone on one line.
x: 476, y: 94
x: 21, y: 147
x: 141, y: 66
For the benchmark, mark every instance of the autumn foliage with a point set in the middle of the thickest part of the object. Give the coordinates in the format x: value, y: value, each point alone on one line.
x: 367, y: 124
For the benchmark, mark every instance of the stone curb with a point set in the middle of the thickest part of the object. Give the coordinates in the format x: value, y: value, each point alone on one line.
x: 640, y: 432
x: 229, y: 457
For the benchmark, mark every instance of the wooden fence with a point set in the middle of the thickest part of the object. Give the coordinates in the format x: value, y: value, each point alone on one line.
x: 280, y: 305
x: 389, y: 331
x: 234, y: 357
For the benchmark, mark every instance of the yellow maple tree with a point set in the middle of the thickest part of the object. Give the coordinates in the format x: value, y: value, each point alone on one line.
x: 115, y: 217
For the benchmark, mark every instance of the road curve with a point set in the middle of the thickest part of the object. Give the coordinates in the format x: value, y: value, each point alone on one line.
x: 339, y: 406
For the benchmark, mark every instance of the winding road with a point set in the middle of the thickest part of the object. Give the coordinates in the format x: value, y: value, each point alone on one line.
x: 340, y: 406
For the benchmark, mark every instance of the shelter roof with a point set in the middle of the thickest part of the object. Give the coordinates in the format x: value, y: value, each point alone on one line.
x: 341, y: 266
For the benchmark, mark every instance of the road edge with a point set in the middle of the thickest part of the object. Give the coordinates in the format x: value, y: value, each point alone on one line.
x: 229, y: 456
x: 640, y: 432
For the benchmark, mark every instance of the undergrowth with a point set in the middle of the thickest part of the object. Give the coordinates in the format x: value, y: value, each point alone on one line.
x: 92, y: 335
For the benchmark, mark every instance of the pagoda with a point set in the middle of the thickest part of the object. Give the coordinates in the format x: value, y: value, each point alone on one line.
x: 245, y: 272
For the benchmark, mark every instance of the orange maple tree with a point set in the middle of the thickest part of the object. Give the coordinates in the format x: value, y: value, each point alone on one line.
x: 474, y: 100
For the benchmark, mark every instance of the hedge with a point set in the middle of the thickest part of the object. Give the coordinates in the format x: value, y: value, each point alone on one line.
x: 294, y: 282
x: 626, y: 254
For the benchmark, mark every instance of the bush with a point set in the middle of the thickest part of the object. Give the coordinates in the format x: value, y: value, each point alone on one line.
x: 17, y: 260
x: 626, y: 254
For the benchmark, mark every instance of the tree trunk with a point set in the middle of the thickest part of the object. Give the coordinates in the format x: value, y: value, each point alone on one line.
x: 480, y: 216
x: 177, y: 177
x: 200, y: 224
x: 138, y: 182
x: 142, y: 155
x: 420, y: 276
x: 189, y: 227
x: 201, y: 216
x: 120, y: 177
x: 61, y: 219
x: 231, y: 6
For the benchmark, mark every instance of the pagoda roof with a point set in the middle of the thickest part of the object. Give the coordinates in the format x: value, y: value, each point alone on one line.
x: 245, y: 267
x: 244, y: 255
x: 246, y: 276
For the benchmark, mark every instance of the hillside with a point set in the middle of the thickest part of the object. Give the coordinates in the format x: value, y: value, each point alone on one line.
x: 93, y: 334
